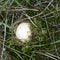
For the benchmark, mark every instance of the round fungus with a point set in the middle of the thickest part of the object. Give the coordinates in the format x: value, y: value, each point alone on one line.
x: 23, y: 31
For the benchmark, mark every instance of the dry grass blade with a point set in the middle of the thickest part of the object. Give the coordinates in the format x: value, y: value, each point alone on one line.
x: 53, y: 55
x: 21, y: 9
x: 49, y: 4
x: 44, y: 54
x: 30, y: 19
x: 3, y: 44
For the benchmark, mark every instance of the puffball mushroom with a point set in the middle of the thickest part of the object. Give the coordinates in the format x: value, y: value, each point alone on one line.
x: 23, y: 32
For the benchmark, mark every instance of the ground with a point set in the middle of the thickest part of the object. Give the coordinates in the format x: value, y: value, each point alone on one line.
x: 44, y: 19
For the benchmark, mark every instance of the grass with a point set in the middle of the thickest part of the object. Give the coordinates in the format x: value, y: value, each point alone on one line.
x: 44, y: 17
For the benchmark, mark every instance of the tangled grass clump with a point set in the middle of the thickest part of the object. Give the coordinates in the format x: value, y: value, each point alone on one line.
x: 44, y: 17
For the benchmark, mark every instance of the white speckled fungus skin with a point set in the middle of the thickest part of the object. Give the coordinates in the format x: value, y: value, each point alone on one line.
x: 23, y: 32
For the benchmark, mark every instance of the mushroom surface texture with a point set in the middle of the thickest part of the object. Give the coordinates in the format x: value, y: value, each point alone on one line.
x: 23, y: 32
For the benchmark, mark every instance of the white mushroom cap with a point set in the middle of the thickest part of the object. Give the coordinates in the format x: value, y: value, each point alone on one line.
x: 23, y: 31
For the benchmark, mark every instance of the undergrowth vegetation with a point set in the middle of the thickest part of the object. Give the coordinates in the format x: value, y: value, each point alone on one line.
x: 44, y: 17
